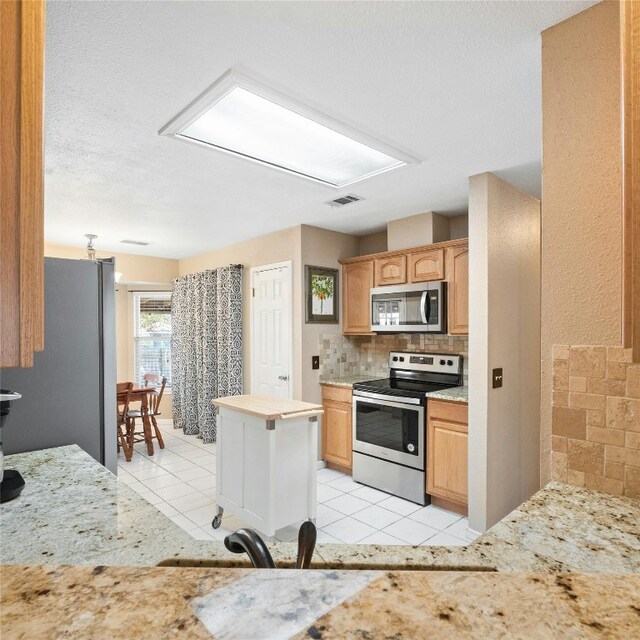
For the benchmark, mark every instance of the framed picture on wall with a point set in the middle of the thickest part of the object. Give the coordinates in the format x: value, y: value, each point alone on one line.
x: 321, y: 295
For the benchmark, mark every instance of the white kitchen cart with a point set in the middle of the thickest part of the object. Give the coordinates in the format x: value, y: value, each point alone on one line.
x: 267, y: 458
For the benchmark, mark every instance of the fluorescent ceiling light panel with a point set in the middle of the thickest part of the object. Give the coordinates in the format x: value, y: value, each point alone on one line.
x: 240, y: 116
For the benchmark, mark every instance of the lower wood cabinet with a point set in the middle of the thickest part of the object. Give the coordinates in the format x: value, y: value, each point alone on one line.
x: 447, y: 477
x: 336, y: 427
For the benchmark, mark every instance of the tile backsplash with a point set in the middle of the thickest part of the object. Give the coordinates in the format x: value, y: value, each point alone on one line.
x: 369, y: 355
x: 596, y: 419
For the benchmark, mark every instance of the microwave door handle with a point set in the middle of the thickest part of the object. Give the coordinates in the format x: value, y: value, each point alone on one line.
x: 424, y: 304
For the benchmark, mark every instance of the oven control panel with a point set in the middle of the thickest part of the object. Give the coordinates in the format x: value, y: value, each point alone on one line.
x: 433, y: 362
x: 420, y: 359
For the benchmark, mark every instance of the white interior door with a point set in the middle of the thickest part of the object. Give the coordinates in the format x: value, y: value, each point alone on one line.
x: 271, y: 330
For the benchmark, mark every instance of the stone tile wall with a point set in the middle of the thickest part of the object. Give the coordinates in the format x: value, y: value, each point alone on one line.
x: 369, y: 355
x: 596, y: 419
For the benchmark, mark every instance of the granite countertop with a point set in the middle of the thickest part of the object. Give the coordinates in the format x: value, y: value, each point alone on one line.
x: 587, y: 530
x: 74, y: 511
x: 561, y: 528
x: 268, y: 407
x: 346, y: 381
x: 454, y: 394
x: 104, y: 602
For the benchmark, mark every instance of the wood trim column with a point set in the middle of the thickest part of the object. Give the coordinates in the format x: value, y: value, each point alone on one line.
x: 21, y: 182
x: 630, y: 42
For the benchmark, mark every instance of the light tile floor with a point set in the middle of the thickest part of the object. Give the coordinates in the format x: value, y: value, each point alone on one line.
x: 180, y: 481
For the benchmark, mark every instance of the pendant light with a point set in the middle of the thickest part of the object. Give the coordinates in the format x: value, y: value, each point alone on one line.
x: 91, y: 251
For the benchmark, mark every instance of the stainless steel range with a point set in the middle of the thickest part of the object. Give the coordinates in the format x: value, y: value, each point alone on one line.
x: 389, y: 434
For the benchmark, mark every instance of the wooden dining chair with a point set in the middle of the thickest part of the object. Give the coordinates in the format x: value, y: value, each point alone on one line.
x: 156, y: 384
x: 123, y: 397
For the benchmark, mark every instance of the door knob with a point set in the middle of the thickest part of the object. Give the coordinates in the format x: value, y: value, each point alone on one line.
x: 283, y: 378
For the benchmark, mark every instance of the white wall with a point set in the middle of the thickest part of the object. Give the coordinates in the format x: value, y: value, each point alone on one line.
x: 320, y: 248
x: 134, y: 268
x: 582, y: 187
x: 267, y: 249
x: 303, y: 245
x: 415, y: 231
x: 459, y: 227
x: 372, y: 243
x: 504, y: 331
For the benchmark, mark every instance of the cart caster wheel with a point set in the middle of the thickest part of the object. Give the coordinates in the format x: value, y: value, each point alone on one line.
x: 217, y: 521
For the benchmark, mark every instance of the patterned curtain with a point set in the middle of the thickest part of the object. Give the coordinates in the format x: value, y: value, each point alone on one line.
x: 206, y: 346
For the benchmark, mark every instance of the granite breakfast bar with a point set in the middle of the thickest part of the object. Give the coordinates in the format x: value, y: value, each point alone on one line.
x: 75, y: 511
x: 79, y: 543
x: 80, y: 602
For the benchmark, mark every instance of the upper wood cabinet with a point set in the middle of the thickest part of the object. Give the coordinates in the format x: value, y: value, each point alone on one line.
x: 426, y: 265
x: 447, y: 466
x: 458, y: 290
x: 392, y: 270
x: 444, y: 260
x: 21, y: 183
x: 357, y: 280
x: 630, y: 39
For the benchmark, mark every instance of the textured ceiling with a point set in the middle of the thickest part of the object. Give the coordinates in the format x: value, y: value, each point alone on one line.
x: 456, y: 83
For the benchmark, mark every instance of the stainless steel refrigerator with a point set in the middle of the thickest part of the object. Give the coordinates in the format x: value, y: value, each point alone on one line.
x: 69, y: 395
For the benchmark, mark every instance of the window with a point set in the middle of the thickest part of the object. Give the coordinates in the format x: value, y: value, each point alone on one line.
x: 152, y: 335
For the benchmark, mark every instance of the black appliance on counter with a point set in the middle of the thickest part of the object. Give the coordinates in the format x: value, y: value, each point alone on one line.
x: 11, y: 482
x: 389, y: 443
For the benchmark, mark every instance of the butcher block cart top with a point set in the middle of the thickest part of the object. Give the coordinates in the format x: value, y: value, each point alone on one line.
x: 269, y: 407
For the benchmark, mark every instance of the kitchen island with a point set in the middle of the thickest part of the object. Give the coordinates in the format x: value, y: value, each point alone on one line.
x: 267, y: 452
x: 91, y: 543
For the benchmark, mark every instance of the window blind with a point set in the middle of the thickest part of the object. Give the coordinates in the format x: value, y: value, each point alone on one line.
x: 152, y: 335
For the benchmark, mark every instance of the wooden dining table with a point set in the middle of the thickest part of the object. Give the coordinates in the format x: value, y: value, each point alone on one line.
x: 141, y: 395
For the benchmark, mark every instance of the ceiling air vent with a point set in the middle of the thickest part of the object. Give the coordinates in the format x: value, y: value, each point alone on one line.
x: 139, y: 243
x: 342, y: 200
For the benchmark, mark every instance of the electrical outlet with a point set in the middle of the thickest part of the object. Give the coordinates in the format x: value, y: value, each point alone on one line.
x: 497, y: 378
x: 315, y: 362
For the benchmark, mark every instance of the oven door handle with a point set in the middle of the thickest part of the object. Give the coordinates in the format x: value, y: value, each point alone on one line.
x: 386, y: 400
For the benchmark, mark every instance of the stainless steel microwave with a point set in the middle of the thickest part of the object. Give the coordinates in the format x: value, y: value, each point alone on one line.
x: 415, y: 308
